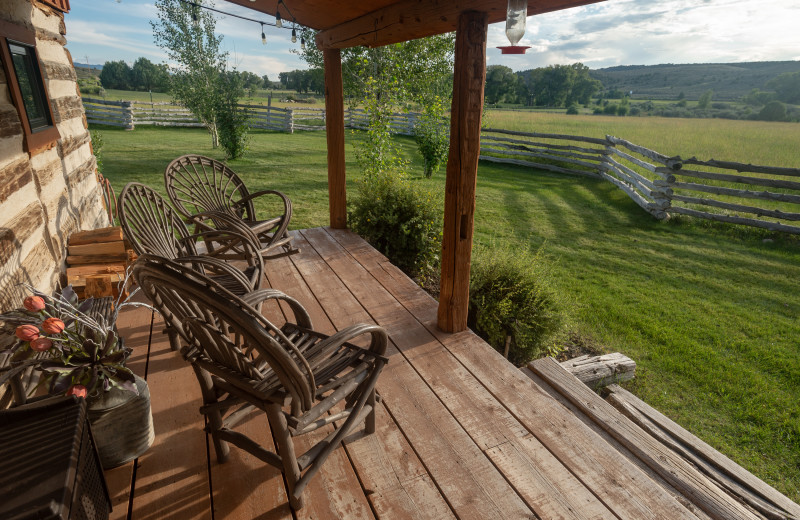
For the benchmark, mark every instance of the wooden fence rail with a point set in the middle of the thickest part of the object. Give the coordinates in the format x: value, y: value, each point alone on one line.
x: 661, y: 185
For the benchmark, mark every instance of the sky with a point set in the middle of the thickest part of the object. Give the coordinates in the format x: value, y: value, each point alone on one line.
x: 614, y: 32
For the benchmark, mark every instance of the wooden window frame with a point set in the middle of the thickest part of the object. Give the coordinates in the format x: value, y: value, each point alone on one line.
x: 44, y: 138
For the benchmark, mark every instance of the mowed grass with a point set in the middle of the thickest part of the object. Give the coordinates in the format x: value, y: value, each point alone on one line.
x: 709, y: 312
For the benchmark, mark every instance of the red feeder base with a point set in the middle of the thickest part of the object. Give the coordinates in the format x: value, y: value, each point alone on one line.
x: 514, y: 49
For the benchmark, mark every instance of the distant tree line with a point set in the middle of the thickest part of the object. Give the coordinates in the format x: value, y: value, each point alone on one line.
x: 148, y: 76
x: 551, y: 86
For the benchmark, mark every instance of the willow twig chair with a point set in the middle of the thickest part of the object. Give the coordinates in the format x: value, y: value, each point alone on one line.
x: 201, y: 187
x: 152, y: 226
x: 244, y: 362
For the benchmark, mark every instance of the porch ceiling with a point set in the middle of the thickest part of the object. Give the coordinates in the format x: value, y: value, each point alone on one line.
x: 380, y: 22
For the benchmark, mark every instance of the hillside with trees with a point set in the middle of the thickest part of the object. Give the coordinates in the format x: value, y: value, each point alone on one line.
x: 728, y: 81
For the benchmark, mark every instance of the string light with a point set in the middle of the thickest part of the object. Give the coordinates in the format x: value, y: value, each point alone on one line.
x: 196, y: 6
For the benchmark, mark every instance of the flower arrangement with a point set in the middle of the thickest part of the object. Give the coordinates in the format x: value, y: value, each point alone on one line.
x: 78, y: 352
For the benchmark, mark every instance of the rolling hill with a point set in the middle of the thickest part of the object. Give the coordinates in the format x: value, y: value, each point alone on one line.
x: 729, y: 81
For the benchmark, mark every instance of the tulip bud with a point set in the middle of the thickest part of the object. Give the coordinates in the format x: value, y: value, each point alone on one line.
x: 78, y: 390
x: 53, y: 326
x: 41, y: 344
x: 34, y: 303
x: 27, y: 332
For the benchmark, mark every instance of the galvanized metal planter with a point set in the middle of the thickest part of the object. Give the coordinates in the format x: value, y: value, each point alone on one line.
x: 122, y: 425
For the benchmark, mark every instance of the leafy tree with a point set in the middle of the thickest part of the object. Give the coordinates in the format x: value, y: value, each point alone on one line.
x: 200, y: 81
x: 705, y: 99
x: 147, y: 76
x: 787, y: 87
x: 561, y: 85
x: 501, y: 85
x: 757, y: 97
x: 385, y: 79
x: 773, y: 111
x: 116, y: 75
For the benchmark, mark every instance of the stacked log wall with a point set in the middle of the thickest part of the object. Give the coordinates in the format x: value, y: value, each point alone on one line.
x: 47, y: 196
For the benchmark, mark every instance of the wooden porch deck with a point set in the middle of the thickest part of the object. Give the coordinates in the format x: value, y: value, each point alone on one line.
x: 461, y: 432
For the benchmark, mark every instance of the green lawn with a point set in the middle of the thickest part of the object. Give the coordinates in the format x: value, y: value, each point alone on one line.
x: 709, y: 312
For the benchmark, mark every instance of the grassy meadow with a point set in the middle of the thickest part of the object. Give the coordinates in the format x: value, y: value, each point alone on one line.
x: 708, y: 311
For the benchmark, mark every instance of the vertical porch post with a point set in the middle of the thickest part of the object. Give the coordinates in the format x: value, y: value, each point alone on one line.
x: 462, y: 169
x: 334, y: 126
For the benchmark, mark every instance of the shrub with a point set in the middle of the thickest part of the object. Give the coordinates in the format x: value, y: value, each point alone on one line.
x: 509, y: 297
x: 773, y: 111
x: 611, y: 109
x: 400, y: 219
x: 622, y: 110
x: 572, y: 110
x: 233, y: 122
x: 430, y: 133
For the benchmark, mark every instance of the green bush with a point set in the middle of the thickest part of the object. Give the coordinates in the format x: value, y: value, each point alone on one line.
x: 400, y: 219
x: 611, y: 109
x: 430, y: 133
x: 572, y: 110
x: 510, y: 297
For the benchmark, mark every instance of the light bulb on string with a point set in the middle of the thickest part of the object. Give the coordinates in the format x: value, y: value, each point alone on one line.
x: 278, y: 21
x: 294, y: 35
x: 302, y: 43
x: 263, y: 36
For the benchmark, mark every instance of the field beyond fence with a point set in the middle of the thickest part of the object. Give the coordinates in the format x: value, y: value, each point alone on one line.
x: 759, y: 196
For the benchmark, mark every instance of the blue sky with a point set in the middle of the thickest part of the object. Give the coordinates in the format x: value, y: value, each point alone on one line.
x: 615, y: 32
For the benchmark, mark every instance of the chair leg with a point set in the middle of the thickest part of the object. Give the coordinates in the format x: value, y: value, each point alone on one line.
x: 280, y: 429
x: 369, y: 423
x: 214, y: 417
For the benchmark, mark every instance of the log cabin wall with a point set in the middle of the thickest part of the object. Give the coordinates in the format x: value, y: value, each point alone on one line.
x: 47, y: 195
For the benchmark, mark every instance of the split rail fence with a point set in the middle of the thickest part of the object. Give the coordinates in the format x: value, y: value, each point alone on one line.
x: 760, y: 196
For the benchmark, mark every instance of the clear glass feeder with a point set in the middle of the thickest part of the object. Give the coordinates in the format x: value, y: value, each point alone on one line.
x: 516, y: 17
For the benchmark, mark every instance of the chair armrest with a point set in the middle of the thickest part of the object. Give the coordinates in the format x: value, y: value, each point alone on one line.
x: 377, y: 346
x: 301, y: 316
x: 243, y: 200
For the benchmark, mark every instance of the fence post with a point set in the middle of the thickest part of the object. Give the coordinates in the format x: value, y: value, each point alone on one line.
x: 128, y: 117
x: 290, y: 120
x: 411, y: 122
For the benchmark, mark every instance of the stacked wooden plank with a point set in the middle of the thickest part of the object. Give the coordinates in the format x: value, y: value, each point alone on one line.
x: 97, y: 261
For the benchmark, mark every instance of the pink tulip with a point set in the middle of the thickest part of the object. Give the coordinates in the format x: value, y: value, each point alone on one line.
x: 27, y: 332
x: 53, y: 326
x: 41, y: 344
x: 78, y: 390
x: 34, y: 303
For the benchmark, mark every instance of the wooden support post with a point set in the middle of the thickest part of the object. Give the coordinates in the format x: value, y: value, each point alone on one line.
x: 334, y: 126
x: 462, y: 169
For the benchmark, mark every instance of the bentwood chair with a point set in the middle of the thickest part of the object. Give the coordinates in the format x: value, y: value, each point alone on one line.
x: 244, y: 362
x: 152, y: 226
x: 201, y: 187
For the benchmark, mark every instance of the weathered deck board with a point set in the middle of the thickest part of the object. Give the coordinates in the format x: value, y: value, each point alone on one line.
x: 460, y: 432
x: 466, y: 478
x: 545, y: 484
x: 620, y: 485
x: 172, y: 476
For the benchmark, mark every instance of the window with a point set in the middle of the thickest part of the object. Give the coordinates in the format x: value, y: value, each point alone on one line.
x: 26, y: 86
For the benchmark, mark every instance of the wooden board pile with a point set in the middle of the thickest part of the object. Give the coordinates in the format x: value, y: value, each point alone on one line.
x: 97, y: 260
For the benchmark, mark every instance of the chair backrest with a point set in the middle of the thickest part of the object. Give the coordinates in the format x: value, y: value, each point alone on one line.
x: 246, y: 349
x: 151, y: 225
x: 196, y: 184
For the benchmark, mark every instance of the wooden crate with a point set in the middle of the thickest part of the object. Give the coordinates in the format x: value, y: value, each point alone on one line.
x: 97, y: 261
